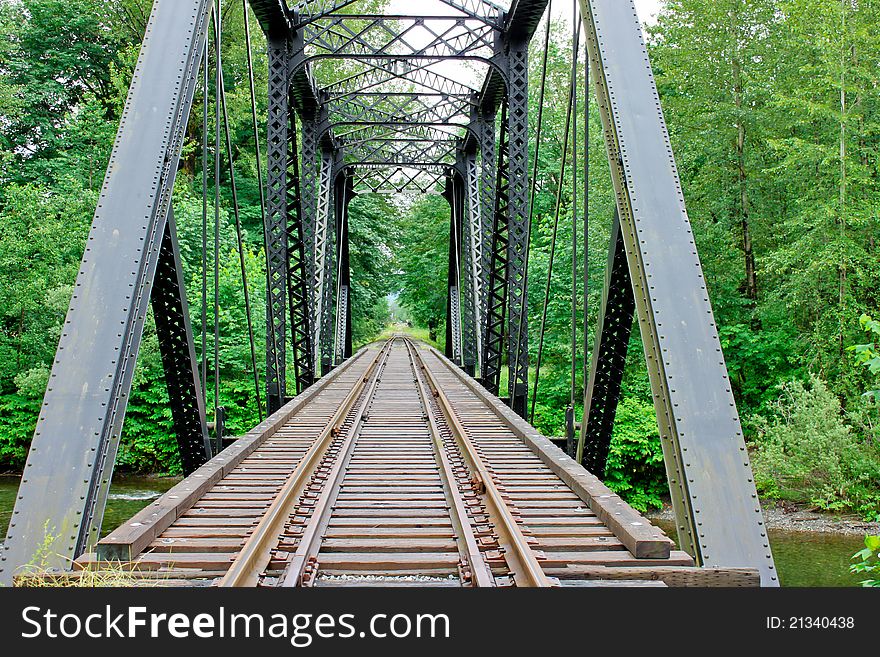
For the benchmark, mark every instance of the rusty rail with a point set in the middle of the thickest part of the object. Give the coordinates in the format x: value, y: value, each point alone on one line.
x: 254, y: 556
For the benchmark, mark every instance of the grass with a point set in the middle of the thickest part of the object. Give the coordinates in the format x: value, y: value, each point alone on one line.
x: 108, y: 574
x: 414, y: 331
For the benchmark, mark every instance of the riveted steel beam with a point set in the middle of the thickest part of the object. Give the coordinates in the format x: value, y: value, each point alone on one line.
x: 343, y: 338
x: 453, y: 193
x: 308, y: 11
x: 369, y: 38
x: 472, y: 273
x: 298, y: 282
x: 497, y: 268
x: 382, y: 178
x: 276, y: 229
x: 398, y: 74
x: 609, y: 357
x: 718, y: 513
x: 177, y: 348
x: 67, y: 477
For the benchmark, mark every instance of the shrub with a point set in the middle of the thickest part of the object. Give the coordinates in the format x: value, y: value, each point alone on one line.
x: 18, y: 419
x: 868, y: 561
x: 635, y: 462
x: 807, y: 453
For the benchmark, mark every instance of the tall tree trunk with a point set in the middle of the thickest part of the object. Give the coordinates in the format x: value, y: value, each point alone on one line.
x: 842, y: 211
x: 751, y: 282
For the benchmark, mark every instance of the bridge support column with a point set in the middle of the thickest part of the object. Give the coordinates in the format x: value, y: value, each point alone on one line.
x: 505, y: 291
x: 276, y: 229
x: 485, y: 128
x: 453, y: 194
x: 471, y: 266
x: 325, y: 261
x: 608, y: 359
x: 342, y: 344
x: 518, y: 222
x: 297, y: 267
x: 309, y: 191
x: 496, y: 285
x: 176, y: 345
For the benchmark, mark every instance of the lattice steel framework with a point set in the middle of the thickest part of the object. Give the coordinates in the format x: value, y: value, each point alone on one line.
x: 298, y: 269
x: 609, y: 356
x: 277, y: 159
x: 472, y: 267
x: 517, y: 196
x: 496, y: 289
x: 342, y: 339
x: 454, y: 194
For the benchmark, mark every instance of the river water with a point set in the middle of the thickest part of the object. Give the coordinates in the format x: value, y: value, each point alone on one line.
x: 802, y: 558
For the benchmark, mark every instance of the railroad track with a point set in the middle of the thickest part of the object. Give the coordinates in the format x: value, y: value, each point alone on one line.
x: 391, y: 492
x: 397, y: 470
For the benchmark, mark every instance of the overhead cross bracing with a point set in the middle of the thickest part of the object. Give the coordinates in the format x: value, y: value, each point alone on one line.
x: 378, y: 104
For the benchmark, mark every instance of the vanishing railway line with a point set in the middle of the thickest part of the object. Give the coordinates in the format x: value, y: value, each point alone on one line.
x: 393, y: 499
x: 395, y: 471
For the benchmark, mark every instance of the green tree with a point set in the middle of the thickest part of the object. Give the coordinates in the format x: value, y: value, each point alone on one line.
x: 423, y: 260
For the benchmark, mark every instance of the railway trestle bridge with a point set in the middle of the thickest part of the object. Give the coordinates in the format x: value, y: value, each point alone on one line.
x: 395, y: 464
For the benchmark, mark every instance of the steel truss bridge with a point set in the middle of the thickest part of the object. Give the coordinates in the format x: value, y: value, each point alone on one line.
x: 395, y: 124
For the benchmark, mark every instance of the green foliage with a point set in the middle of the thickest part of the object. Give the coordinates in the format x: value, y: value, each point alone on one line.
x: 805, y: 452
x: 18, y: 419
x: 373, y: 239
x: 635, y: 461
x: 65, y: 68
x: 148, y: 443
x: 423, y: 260
x: 868, y: 562
x: 868, y: 355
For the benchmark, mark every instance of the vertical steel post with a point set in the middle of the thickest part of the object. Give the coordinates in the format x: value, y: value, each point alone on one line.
x: 453, y: 194
x: 277, y: 157
x: 496, y: 287
x: 343, y: 345
x: 325, y: 261
x: 608, y: 359
x: 309, y: 186
x: 485, y: 130
x: 297, y: 269
x: 518, y: 222
x: 177, y: 348
x: 471, y: 274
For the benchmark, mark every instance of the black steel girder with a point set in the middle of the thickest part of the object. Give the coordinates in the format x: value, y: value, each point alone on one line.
x: 307, y: 11
x: 453, y: 192
x: 609, y: 356
x: 381, y: 178
x: 371, y: 37
x: 276, y: 229
x: 398, y: 75
x: 177, y: 348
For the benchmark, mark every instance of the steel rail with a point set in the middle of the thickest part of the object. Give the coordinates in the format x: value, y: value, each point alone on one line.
x: 480, y: 571
x: 309, y: 542
x: 253, y: 558
x: 519, y: 555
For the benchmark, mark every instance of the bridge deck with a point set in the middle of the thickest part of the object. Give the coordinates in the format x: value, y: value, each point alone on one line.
x: 394, y: 496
